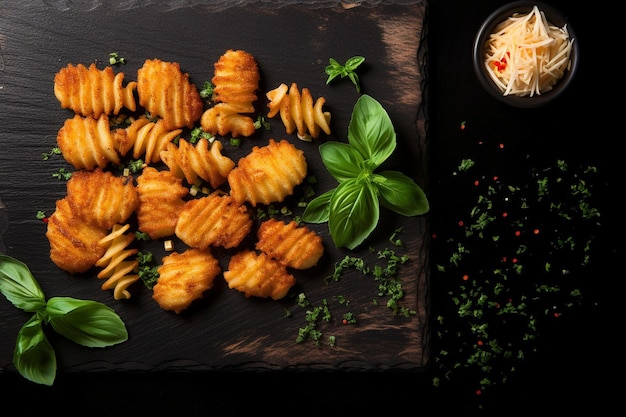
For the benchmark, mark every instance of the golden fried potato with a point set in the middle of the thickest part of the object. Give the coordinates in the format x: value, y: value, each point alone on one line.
x: 183, y: 278
x: 298, y: 112
x: 258, y: 275
x: 268, y: 174
x: 101, y: 198
x: 74, y: 243
x: 289, y: 243
x: 87, y: 143
x: 235, y: 80
x: 214, y: 220
x: 93, y: 92
x: 165, y: 91
x: 146, y: 138
x: 160, y: 196
x: 204, y: 160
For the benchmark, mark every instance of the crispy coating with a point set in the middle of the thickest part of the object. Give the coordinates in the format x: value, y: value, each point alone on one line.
x: 298, y: 112
x: 160, y: 196
x: 214, y: 220
x: 165, y: 91
x: 258, y: 275
x: 236, y: 79
x: 87, y: 143
x: 93, y: 92
x: 183, y: 278
x: 268, y: 174
x: 289, y: 243
x: 101, y: 198
x: 74, y: 243
x: 146, y: 138
x: 204, y: 160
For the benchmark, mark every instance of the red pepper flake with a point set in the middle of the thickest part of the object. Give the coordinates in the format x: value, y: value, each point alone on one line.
x: 463, y: 125
x: 479, y: 343
x: 476, y: 183
x: 502, y: 146
x: 505, y: 214
x: 518, y: 233
x: 514, y: 260
x: 461, y: 223
x: 536, y: 231
x: 434, y: 235
x: 45, y: 220
x: 557, y: 314
x: 495, y: 178
x: 345, y: 321
x: 465, y: 277
x: 504, y: 259
x: 479, y: 392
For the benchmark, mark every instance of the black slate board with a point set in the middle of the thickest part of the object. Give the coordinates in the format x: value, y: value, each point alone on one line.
x: 224, y: 330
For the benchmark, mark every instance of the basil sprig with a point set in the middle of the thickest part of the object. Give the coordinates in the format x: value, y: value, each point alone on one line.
x: 352, y: 209
x: 85, y: 322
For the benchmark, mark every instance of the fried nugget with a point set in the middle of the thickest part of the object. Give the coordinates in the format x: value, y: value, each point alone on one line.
x: 146, y: 138
x: 289, y: 243
x: 101, y: 198
x: 87, y: 143
x: 183, y: 278
x: 214, y: 220
x: 160, y: 202
x: 258, y: 275
x: 74, y: 243
x: 165, y: 91
x: 93, y: 92
x: 204, y: 160
x: 225, y: 118
x: 268, y: 174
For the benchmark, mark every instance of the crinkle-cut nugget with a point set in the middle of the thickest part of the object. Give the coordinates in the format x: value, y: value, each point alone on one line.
x: 294, y: 245
x: 268, y: 174
x: 184, y: 277
x: 258, y: 275
x: 236, y: 80
x: 87, y: 143
x: 93, y: 92
x: 165, y: 91
x: 214, y: 220
x: 102, y: 198
x: 146, y: 138
x: 74, y: 243
x: 204, y: 160
x: 160, y: 202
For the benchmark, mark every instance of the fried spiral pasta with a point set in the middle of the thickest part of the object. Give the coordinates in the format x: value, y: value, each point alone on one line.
x: 87, y: 143
x: 236, y: 80
x: 119, y: 270
x: 146, y: 138
x: 165, y: 91
x: 93, y: 92
x: 298, y: 112
x: 204, y: 160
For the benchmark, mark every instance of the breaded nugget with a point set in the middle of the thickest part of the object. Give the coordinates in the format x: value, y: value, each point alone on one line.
x: 101, y: 198
x: 268, y: 174
x: 87, y: 143
x: 183, y: 278
x: 93, y: 92
x: 165, y: 91
x: 225, y: 118
x: 146, y: 138
x: 204, y: 160
x: 74, y: 243
x: 295, y: 246
x: 160, y: 196
x: 214, y: 220
x: 258, y: 275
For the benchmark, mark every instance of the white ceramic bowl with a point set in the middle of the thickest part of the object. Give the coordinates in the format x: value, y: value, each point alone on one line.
x: 522, y: 7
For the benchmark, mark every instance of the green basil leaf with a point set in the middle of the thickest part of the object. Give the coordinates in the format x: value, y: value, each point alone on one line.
x: 34, y: 356
x: 354, y: 62
x: 401, y: 194
x: 353, y: 213
x: 19, y: 285
x: 370, y: 131
x: 342, y: 161
x: 86, y: 322
x: 317, y: 210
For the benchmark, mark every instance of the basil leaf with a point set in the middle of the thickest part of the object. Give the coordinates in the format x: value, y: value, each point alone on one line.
x: 401, y: 194
x: 370, y: 131
x: 317, y: 210
x: 85, y: 322
x: 34, y: 356
x: 354, y: 62
x: 342, y: 161
x: 353, y: 213
x: 19, y: 285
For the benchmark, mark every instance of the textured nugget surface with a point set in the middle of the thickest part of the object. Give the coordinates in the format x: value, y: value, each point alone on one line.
x: 268, y: 174
x: 183, y: 278
x: 293, y: 245
x: 258, y: 275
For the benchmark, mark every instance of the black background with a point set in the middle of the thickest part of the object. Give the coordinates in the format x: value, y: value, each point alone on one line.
x: 576, y: 365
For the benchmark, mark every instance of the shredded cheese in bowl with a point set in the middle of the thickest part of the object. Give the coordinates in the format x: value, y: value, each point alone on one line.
x: 527, y: 55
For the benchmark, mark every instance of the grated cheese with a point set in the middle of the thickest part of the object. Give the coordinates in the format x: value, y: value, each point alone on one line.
x: 527, y: 55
